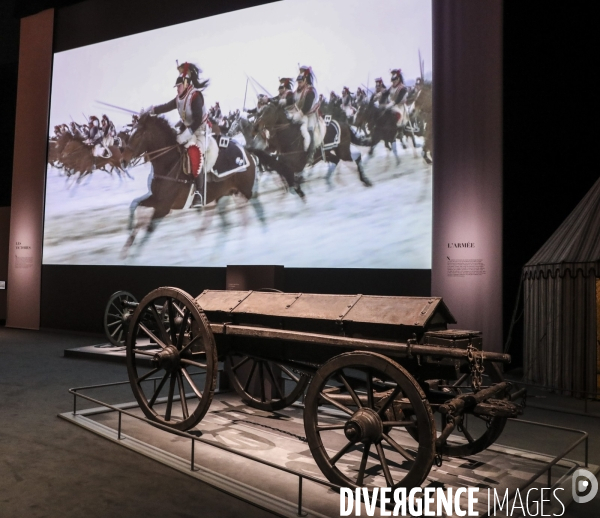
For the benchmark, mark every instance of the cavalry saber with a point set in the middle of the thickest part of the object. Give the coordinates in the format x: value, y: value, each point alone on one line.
x: 368, y: 89
x: 261, y: 86
x: 118, y: 107
x: 246, y: 91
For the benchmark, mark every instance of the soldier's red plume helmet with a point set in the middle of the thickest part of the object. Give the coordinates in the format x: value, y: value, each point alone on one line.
x: 190, y: 74
x: 286, y: 83
x: 397, y: 74
x: 307, y: 74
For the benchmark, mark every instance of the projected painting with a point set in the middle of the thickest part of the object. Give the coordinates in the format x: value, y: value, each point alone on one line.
x: 295, y: 133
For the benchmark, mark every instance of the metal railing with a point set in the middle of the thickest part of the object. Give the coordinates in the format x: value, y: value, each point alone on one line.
x: 301, y: 476
x: 547, y: 468
x: 122, y: 409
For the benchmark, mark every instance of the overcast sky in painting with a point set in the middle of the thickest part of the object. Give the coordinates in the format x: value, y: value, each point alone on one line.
x: 347, y: 42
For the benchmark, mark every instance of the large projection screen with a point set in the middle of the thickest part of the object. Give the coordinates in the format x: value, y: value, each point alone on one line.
x: 341, y: 222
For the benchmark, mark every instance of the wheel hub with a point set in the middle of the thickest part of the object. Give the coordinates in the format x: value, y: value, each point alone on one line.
x: 168, y: 358
x: 364, y: 426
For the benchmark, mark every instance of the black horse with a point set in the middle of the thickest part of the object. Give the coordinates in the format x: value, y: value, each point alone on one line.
x: 169, y: 187
x: 291, y: 157
x: 381, y: 124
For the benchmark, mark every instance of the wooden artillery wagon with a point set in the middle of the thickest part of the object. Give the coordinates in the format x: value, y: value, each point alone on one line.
x: 374, y: 371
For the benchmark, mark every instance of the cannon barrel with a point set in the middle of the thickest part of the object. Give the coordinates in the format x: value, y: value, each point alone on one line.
x: 397, y: 349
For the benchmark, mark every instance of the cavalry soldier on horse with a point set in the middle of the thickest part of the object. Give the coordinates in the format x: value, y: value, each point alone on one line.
x: 415, y: 91
x: 361, y: 96
x: 334, y: 99
x: 217, y: 113
x: 129, y: 127
x: 285, y: 95
x: 201, y: 148
x: 397, y: 97
x: 253, y: 113
x: 347, y: 103
x: 307, y: 103
x: 96, y: 139
x: 109, y: 131
x: 381, y: 92
x: 76, y: 131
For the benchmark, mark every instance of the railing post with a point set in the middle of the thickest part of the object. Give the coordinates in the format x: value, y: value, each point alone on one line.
x: 119, y: 432
x: 74, y: 403
x: 192, y: 461
x: 300, y: 496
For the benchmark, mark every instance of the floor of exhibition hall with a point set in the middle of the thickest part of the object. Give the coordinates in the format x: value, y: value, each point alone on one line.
x: 52, y: 468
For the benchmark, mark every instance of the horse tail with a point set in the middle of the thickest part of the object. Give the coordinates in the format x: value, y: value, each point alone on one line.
x: 359, y: 141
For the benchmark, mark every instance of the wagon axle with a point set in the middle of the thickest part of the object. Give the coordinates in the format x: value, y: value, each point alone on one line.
x: 364, y: 426
x: 167, y: 358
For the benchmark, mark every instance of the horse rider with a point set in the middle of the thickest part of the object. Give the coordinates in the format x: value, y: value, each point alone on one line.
x: 397, y: 97
x: 95, y: 138
x: 76, y: 131
x: 108, y: 128
x: 412, y: 96
x: 347, y: 102
x: 334, y: 99
x: 135, y: 118
x: 306, y: 101
x: 201, y: 148
x: 361, y: 96
x: 218, y: 113
x: 414, y: 92
x: 381, y: 92
x: 285, y: 94
x: 261, y: 101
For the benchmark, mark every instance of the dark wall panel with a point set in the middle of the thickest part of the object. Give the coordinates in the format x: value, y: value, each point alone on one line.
x: 74, y: 297
x: 364, y: 281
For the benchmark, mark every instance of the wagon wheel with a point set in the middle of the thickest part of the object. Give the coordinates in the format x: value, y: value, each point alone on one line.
x: 351, y: 439
x: 185, y: 363
x: 117, y: 316
x: 250, y: 375
x: 479, y: 431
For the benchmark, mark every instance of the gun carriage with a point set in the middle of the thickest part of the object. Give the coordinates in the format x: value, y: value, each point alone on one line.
x: 374, y: 372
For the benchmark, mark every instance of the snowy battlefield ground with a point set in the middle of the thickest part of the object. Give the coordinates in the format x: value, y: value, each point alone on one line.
x: 348, y: 225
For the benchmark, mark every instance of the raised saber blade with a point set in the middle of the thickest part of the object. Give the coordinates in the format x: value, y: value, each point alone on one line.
x: 118, y: 107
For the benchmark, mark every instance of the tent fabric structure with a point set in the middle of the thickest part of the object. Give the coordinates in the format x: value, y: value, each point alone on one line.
x: 560, y: 309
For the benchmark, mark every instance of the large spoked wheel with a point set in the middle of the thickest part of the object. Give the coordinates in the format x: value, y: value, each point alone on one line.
x: 350, y: 435
x: 183, y: 356
x: 479, y: 432
x: 117, y: 315
x: 263, y: 384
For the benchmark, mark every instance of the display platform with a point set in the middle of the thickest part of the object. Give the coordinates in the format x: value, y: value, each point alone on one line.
x: 279, y: 438
x: 104, y: 352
